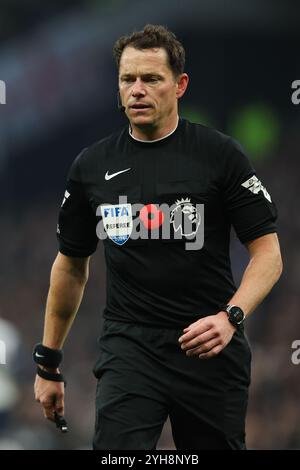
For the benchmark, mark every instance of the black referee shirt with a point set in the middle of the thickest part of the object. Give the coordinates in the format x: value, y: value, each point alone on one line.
x: 205, y: 179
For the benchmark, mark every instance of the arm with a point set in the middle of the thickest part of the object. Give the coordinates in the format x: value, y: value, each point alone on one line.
x: 263, y: 271
x: 209, y: 335
x: 67, y: 282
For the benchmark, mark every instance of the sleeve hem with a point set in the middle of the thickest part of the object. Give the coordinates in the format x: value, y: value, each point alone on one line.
x: 258, y: 233
x: 75, y: 253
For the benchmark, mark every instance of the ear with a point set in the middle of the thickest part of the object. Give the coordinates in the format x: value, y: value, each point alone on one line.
x: 181, y: 84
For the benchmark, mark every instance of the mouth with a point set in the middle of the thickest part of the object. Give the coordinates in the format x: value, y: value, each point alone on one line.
x: 140, y: 107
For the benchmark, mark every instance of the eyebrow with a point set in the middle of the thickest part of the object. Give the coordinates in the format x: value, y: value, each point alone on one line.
x: 144, y: 75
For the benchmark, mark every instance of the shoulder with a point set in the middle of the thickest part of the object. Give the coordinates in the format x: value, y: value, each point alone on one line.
x: 101, y: 148
x: 206, y: 136
x: 89, y: 159
x: 210, y: 141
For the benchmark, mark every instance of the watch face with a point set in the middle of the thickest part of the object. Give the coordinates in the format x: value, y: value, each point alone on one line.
x: 236, y: 315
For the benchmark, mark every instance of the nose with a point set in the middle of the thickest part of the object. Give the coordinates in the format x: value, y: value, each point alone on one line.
x: 138, y: 89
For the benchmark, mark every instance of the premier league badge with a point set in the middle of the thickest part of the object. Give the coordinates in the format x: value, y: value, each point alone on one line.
x: 185, y: 218
x: 117, y: 222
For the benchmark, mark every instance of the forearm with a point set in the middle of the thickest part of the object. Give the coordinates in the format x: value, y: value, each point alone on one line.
x: 262, y: 272
x: 66, y: 290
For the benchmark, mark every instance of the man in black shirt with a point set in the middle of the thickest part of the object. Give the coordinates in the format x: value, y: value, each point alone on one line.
x: 163, y: 195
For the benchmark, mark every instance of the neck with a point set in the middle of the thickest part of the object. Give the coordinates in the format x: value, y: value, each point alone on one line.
x: 150, y: 133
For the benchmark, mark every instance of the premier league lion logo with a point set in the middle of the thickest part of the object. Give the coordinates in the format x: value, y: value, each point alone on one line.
x: 185, y: 218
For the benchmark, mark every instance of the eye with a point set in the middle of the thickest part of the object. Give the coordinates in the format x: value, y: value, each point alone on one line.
x: 127, y: 79
x: 151, y: 79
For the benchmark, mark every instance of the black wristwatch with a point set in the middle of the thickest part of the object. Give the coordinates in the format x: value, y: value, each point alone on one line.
x: 235, y: 314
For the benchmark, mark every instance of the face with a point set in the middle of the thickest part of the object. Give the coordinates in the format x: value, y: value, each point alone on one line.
x: 148, y: 88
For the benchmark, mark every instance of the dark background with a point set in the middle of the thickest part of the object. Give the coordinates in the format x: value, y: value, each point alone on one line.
x: 61, y: 83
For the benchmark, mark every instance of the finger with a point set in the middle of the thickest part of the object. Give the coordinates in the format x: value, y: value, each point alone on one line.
x: 197, y: 322
x: 59, y: 406
x: 204, y: 348
x: 192, y: 325
x: 48, y: 411
x: 49, y: 415
x: 198, y: 340
x: 212, y: 353
x: 196, y: 331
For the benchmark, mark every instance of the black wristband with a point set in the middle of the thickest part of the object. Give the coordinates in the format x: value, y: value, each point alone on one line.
x: 50, y: 375
x: 46, y: 356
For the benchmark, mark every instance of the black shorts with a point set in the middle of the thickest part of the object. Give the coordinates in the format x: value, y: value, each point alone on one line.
x: 144, y: 376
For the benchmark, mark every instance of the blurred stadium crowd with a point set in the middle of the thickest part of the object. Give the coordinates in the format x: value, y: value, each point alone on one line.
x: 61, y: 97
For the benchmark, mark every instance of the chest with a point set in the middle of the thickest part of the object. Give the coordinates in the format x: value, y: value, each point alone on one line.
x: 154, y: 177
x: 164, y: 193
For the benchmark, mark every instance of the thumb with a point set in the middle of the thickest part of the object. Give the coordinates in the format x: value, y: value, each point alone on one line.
x: 59, y: 406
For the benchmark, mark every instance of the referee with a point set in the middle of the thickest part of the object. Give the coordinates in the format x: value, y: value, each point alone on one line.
x: 173, y: 339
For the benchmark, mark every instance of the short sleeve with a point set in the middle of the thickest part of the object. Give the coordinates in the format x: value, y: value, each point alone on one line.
x: 76, y: 229
x: 248, y: 204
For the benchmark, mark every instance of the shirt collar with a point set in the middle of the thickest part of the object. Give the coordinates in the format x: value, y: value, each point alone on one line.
x: 156, y: 140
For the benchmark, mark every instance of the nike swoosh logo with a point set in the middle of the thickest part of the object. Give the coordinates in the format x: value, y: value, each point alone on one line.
x: 39, y: 355
x: 108, y: 177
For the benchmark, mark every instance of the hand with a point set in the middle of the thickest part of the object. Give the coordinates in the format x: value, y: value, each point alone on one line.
x: 50, y: 394
x: 207, y: 336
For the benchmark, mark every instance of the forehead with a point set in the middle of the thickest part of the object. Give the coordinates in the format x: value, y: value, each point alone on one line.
x: 144, y: 61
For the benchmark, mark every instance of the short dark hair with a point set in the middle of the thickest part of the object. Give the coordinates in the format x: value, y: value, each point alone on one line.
x: 154, y: 36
